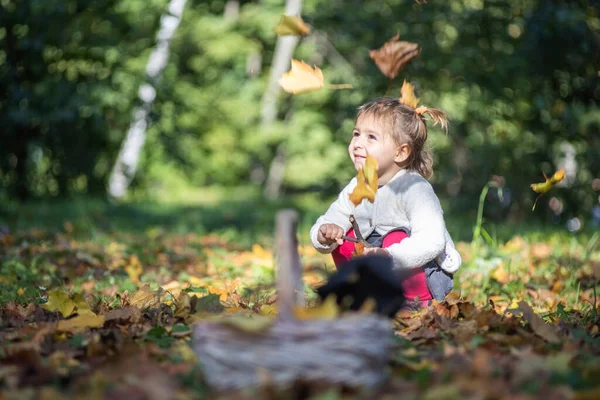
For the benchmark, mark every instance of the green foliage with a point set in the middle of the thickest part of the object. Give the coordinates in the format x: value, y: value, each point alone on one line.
x: 516, y: 78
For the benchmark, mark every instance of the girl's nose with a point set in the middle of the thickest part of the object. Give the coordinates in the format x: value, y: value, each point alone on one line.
x: 359, y: 142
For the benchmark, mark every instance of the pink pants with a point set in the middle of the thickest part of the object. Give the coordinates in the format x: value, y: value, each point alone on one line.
x: 414, y: 283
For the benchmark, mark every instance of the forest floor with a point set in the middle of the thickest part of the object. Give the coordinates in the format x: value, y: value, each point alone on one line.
x: 100, y: 301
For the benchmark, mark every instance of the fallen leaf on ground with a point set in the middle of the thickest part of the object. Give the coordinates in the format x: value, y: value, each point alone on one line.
x: 538, y: 325
x: 328, y: 309
x: 80, y: 322
x: 145, y: 298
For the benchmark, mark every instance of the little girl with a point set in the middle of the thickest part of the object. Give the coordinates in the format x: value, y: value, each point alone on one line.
x: 406, y: 219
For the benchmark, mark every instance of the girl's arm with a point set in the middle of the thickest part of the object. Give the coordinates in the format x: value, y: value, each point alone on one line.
x: 338, y: 213
x: 427, y: 228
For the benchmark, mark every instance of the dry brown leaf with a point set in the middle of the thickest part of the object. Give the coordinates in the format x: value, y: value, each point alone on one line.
x: 407, y: 95
x: 301, y: 78
x: 394, y: 55
x: 538, y: 325
x: 367, y: 182
x: 123, y: 315
x: 292, y: 25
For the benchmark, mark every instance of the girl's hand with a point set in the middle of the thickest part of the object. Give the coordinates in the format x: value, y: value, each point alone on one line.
x: 329, y: 234
x: 376, y: 250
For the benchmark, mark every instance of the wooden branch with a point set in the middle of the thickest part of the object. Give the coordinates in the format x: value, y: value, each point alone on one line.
x: 359, y: 235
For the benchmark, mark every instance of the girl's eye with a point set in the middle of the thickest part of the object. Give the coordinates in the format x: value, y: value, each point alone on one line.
x: 355, y: 134
x: 372, y: 137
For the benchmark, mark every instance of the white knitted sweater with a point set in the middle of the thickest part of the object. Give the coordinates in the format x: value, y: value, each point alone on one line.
x: 406, y: 201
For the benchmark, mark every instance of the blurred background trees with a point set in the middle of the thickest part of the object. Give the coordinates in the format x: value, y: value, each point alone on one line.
x: 519, y: 80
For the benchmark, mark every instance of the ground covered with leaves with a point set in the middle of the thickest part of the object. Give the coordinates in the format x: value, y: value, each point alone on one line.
x: 94, y: 313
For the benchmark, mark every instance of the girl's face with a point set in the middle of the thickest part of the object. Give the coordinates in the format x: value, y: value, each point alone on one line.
x: 370, y: 137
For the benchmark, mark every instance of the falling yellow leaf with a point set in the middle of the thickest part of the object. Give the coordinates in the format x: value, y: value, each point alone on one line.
x: 292, y: 25
x: 326, y: 310
x: 544, y: 187
x: 80, y: 322
x: 20, y: 292
x: 366, y: 186
x: 61, y: 302
x: 407, y: 95
x: 301, y: 78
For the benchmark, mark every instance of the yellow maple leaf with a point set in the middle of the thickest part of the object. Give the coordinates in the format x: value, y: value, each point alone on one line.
x: 544, y: 187
x: 61, y: 302
x: 301, y: 78
x: 407, y: 95
x: 81, y: 322
x: 366, y: 186
x: 326, y: 310
x: 292, y: 25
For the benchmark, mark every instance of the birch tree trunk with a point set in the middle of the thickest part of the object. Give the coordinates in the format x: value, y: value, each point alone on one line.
x: 284, y: 49
x: 131, y: 148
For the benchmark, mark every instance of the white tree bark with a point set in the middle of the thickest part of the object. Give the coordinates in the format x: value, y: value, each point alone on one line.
x: 131, y: 148
x: 284, y: 49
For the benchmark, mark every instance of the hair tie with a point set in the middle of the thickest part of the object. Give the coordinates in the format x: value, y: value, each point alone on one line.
x: 421, y: 110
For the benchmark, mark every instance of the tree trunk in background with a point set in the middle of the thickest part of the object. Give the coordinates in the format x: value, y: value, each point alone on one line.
x: 232, y: 10
x: 129, y: 155
x: 284, y: 49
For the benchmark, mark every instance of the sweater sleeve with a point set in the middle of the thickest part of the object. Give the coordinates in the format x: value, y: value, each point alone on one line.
x: 338, y: 213
x: 427, y: 237
x: 450, y: 260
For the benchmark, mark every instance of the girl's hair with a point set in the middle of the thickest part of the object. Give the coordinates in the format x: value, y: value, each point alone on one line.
x: 407, y: 125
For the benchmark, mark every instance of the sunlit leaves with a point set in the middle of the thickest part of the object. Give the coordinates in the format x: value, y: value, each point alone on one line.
x: 394, y: 55
x: 366, y: 186
x: 407, y: 95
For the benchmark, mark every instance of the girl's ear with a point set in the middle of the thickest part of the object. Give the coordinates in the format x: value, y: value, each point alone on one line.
x: 402, y: 154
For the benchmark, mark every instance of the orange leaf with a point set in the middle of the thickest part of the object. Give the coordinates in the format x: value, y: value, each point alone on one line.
x: 359, y: 248
x: 394, y: 55
x: 301, y: 78
x: 292, y: 25
x: 367, y: 182
x: 407, y: 95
